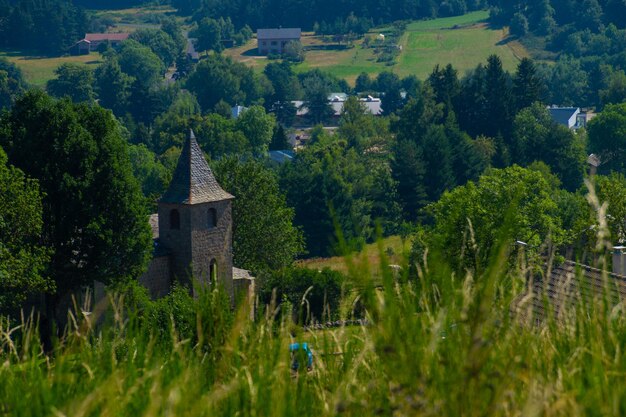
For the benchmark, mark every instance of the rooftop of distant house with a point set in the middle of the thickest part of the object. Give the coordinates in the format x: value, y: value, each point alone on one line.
x: 106, y: 36
x: 563, y: 114
x: 372, y: 105
x: 279, y: 33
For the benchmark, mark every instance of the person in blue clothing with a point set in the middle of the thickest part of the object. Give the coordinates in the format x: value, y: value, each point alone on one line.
x: 300, y: 352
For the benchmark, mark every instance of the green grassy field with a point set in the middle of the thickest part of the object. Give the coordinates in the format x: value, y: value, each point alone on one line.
x: 445, y: 344
x: 137, y: 15
x: 38, y: 70
x: 464, y: 41
x: 395, y: 248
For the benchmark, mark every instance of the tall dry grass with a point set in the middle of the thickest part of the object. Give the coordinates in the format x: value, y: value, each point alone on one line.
x: 445, y: 344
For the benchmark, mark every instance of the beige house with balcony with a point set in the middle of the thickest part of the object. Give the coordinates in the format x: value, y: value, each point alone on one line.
x: 273, y: 41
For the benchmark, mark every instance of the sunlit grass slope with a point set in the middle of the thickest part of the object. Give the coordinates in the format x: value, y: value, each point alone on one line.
x: 445, y: 344
x: 463, y: 41
x: 38, y: 70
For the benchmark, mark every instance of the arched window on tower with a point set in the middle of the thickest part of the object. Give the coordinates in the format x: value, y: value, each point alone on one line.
x: 212, y: 218
x: 174, y: 219
x: 213, y: 272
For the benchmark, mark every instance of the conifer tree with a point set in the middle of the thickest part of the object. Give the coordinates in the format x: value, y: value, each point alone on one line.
x: 409, y: 170
x: 498, y: 99
x: 437, y: 155
x: 528, y: 87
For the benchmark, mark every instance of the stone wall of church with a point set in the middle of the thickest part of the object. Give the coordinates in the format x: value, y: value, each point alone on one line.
x: 197, y: 242
x: 177, y: 241
x: 213, y: 243
x: 157, y: 278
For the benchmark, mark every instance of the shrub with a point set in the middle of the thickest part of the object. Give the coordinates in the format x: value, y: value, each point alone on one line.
x: 315, y: 295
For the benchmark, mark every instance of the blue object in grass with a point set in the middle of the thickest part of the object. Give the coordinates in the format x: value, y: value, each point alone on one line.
x: 296, y: 347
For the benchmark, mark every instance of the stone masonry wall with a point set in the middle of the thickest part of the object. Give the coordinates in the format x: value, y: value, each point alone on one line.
x: 178, y: 242
x: 157, y: 278
x: 210, y: 243
x: 197, y: 242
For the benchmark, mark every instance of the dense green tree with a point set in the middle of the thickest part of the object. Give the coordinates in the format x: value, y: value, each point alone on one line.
x: 498, y: 99
x: 285, y: 88
x: 150, y: 172
x: 471, y: 109
x: 316, y: 92
x: 323, y: 290
x: 615, y: 12
x: 419, y: 113
x: 363, y: 83
x: 113, y: 86
x: 264, y: 237
x: 467, y: 158
x: 408, y: 169
x: 519, y: 24
x: 12, y: 83
x: 541, y: 16
x: 93, y: 216
x: 615, y: 91
x: 279, y: 141
x: 568, y: 82
x: 445, y: 85
x: 537, y: 137
x: 219, y: 78
x: 411, y: 86
x: 139, y: 62
x: 389, y: 85
x: 172, y: 126
x: 208, y: 35
x: 359, y: 127
x: 437, y: 154
x: 589, y: 15
x: 335, y: 189
x: 50, y: 27
x: 22, y: 258
x: 294, y: 51
x: 470, y: 220
x: 184, y: 66
x: 607, y: 137
x: 219, y: 136
x: 171, y: 26
x: 74, y: 81
x: 258, y: 127
x: 160, y: 42
x: 530, y: 134
x: 528, y: 87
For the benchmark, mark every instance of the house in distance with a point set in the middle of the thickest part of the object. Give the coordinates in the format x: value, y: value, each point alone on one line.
x: 571, y: 117
x: 273, y: 41
x: 92, y: 41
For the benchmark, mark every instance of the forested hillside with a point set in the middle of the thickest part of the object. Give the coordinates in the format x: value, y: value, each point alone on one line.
x: 506, y: 214
x: 49, y: 27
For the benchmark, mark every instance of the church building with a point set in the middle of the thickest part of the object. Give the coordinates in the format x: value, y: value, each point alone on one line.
x: 193, y: 231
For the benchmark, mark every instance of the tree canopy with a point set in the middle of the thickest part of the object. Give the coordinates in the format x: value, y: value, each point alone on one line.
x: 469, y: 220
x: 74, y: 81
x: 94, y: 220
x: 607, y: 137
x: 22, y: 257
x: 264, y: 238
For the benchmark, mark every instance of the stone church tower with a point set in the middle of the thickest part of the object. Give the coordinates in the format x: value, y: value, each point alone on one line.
x: 195, y: 222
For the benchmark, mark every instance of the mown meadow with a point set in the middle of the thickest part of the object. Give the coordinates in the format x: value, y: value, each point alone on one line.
x: 463, y: 41
x: 442, y: 344
x: 38, y: 70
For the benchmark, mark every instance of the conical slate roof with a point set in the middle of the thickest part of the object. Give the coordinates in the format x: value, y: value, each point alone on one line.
x: 193, y: 181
